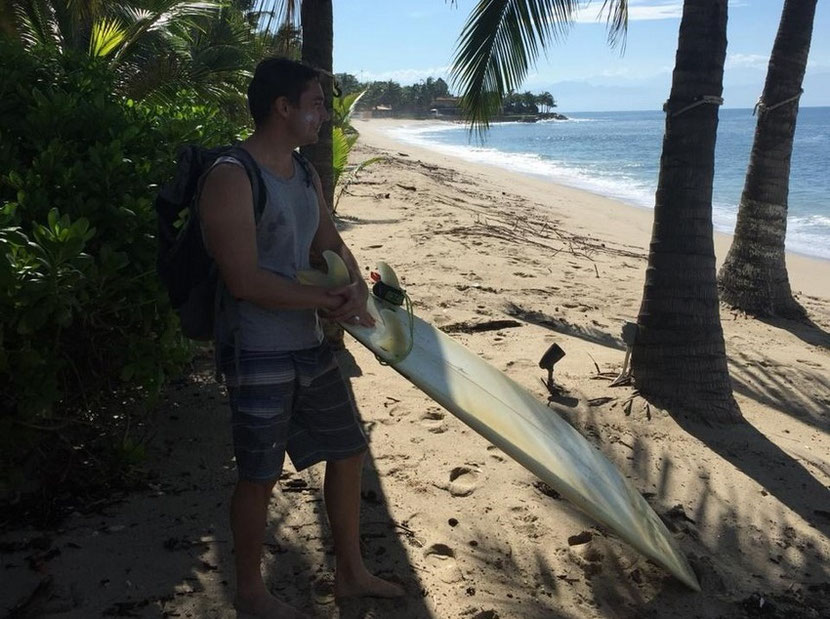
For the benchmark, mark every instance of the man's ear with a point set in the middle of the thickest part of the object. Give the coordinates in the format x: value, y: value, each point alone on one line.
x: 280, y: 106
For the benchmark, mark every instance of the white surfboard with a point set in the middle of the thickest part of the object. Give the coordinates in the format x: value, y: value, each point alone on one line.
x: 508, y: 416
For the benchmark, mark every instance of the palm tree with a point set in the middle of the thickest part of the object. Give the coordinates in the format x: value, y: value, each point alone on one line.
x: 318, y: 39
x: 754, y: 276
x: 679, y: 357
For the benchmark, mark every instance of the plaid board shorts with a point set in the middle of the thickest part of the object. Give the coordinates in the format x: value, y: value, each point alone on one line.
x: 295, y: 402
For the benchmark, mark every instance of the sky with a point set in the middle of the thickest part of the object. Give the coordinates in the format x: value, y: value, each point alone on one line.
x: 410, y: 40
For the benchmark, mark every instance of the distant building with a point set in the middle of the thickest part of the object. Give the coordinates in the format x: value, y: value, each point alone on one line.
x: 380, y: 111
x: 445, y: 106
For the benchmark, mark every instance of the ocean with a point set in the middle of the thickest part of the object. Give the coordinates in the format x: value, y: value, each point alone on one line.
x: 617, y: 155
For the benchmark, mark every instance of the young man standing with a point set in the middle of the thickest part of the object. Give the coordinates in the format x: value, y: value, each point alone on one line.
x: 286, y: 391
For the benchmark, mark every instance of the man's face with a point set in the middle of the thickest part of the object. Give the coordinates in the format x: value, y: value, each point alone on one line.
x: 307, y: 117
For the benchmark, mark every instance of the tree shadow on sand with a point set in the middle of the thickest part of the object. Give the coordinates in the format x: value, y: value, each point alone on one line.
x: 806, y: 330
x: 780, y: 474
x: 560, y: 325
x: 747, y: 555
x: 798, y: 390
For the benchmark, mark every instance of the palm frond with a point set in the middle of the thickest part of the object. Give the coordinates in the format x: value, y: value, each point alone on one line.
x: 616, y: 22
x: 342, y: 109
x: 340, y: 147
x: 36, y: 24
x: 160, y: 16
x: 271, y: 15
x: 502, y: 39
x: 107, y: 35
x: 497, y: 46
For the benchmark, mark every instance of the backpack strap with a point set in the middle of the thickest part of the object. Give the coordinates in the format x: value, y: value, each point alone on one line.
x: 305, y: 164
x: 258, y: 190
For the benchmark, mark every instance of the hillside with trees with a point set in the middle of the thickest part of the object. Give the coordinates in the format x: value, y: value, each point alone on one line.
x: 432, y: 98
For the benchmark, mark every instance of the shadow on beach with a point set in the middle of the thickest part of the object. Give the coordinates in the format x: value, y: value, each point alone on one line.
x: 169, y: 551
x: 806, y: 330
x: 726, y: 539
x: 799, y: 391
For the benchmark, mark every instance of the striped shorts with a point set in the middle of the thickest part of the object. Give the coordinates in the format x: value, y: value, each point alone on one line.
x: 296, y: 402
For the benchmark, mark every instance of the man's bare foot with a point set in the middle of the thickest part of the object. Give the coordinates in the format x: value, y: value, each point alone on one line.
x: 265, y: 607
x: 366, y: 585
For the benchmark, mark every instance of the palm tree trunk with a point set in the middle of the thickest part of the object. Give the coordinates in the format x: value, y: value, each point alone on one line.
x: 754, y: 276
x: 318, y: 42
x: 679, y: 357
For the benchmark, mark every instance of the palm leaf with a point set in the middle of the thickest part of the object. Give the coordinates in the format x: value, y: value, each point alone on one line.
x: 107, y: 35
x: 342, y: 109
x: 161, y: 16
x: 340, y: 148
x: 502, y: 39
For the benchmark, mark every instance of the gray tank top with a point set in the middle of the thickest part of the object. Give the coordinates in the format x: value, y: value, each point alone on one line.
x: 284, y: 235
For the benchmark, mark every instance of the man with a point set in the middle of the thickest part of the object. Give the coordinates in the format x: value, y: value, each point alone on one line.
x: 286, y: 391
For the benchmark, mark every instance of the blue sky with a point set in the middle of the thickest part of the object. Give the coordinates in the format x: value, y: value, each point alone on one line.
x: 409, y: 40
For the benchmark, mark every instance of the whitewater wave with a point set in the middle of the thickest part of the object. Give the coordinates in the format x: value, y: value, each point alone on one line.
x: 809, y: 235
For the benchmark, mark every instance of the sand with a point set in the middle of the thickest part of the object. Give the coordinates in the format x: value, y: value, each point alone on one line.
x: 470, y: 533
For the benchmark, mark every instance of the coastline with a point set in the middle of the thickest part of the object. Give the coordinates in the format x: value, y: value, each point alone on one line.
x: 589, y: 212
x: 508, y: 265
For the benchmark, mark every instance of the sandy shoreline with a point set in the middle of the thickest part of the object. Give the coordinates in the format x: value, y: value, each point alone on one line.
x: 470, y: 533
x: 605, y: 216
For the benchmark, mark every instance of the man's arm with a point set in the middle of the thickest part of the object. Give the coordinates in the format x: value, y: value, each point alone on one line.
x: 227, y: 215
x: 353, y: 297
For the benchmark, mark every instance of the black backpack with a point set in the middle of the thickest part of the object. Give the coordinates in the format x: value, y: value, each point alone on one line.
x: 184, y: 265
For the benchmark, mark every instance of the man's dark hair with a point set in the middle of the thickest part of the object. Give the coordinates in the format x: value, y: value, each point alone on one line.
x: 277, y: 77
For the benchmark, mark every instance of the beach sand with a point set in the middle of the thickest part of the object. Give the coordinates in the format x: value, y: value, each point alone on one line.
x: 470, y: 533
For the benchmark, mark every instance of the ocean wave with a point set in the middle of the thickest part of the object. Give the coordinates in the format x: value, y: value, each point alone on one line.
x: 807, y: 234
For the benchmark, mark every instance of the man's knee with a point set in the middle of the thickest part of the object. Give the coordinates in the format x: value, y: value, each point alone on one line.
x: 353, y: 460
x: 259, y: 487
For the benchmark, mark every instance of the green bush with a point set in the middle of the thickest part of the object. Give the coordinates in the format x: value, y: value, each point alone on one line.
x: 82, y: 313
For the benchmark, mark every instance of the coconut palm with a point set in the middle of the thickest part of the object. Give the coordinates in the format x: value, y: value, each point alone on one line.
x: 679, y: 357
x: 317, y: 22
x: 754, y: 276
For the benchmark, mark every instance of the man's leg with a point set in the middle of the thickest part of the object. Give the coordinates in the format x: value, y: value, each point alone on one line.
x: 342, y: 495
x: 249, y: 511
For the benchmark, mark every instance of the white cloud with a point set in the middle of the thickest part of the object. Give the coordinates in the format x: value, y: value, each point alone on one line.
x: 646, y: 10
x: 750, y: 61
x: 402, y: 76
x: 641, y: 10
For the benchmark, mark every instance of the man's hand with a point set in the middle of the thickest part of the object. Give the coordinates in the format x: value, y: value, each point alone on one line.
x: 352, y: 304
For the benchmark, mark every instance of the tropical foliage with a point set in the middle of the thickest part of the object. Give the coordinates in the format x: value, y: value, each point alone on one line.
x: 83, y: 319
x: 344, y: 137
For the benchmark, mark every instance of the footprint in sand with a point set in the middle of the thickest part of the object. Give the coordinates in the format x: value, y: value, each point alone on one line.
x: 463, y: 481
x: 441, y: 558
x: 494, y: 453
x: 433, y: 421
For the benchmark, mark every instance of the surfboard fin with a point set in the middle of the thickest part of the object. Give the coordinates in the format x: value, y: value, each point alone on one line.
x: 392, y: 337
x: 336, y: 273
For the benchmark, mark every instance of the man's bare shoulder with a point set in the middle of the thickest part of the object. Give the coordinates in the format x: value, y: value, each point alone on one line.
x: 225, y: 176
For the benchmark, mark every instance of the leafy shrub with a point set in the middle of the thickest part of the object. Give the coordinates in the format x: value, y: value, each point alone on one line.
x: 81, y: 310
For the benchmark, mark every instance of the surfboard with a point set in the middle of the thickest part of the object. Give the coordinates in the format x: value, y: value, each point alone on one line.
x: 507, y: 415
